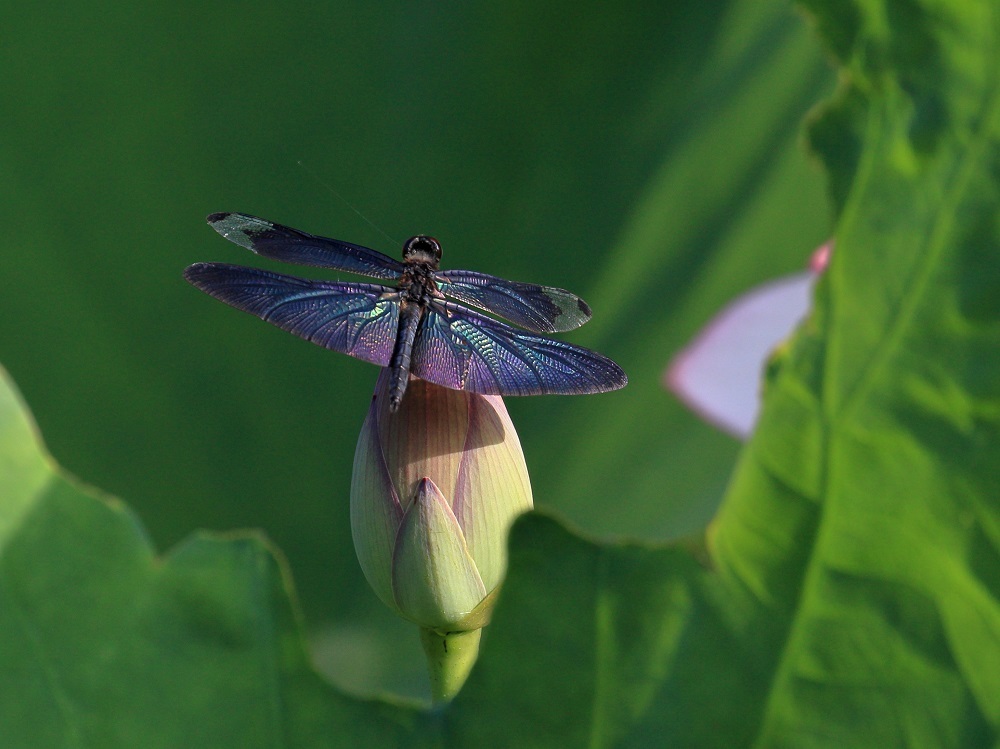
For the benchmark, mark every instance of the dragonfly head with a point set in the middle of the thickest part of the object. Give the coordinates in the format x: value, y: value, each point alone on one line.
x: 422, y: 249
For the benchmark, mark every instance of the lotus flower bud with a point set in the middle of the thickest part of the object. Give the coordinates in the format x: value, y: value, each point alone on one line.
x: 435, y: 489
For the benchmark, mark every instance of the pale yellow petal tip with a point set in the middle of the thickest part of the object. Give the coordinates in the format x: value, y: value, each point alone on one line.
x: 434, y: 580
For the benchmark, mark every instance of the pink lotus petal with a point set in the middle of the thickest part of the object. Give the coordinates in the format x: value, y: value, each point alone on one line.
x: 718, y: 374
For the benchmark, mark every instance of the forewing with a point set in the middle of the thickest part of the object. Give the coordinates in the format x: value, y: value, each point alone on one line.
x: 293, y: 246
x: 542, y: 309
x: 461, y: 349
x: 354, y: 318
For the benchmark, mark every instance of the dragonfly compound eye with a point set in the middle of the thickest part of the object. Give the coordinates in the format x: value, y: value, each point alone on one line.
x: 422, y: 244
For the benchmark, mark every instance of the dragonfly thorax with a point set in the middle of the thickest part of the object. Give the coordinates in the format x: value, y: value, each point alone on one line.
x: 417, y: 283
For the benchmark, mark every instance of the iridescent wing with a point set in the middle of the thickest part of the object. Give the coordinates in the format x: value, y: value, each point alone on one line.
x: 461, y: 349
x: 293, y: 246
x: 358, y: 319
x: 542, y: 309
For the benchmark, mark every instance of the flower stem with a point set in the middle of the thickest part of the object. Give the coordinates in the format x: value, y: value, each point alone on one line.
x: 450, y: 658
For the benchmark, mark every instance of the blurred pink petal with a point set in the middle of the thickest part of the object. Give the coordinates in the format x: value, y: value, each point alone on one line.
x: 821, y: 257
x: 718, y: 374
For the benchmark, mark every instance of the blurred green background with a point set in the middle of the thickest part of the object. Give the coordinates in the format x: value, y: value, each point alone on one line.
x: 646, y: 155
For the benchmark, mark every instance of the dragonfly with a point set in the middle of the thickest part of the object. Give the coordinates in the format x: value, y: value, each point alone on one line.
x: 422, y: 325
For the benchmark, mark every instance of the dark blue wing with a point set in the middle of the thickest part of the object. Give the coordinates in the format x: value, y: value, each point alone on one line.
x: 293, y: 246
x: 359, y: 319
x: 461, y: 349
x: 542, y: 309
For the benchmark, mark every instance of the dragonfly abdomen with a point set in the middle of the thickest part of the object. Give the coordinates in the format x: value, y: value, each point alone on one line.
x: 402, y: 352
